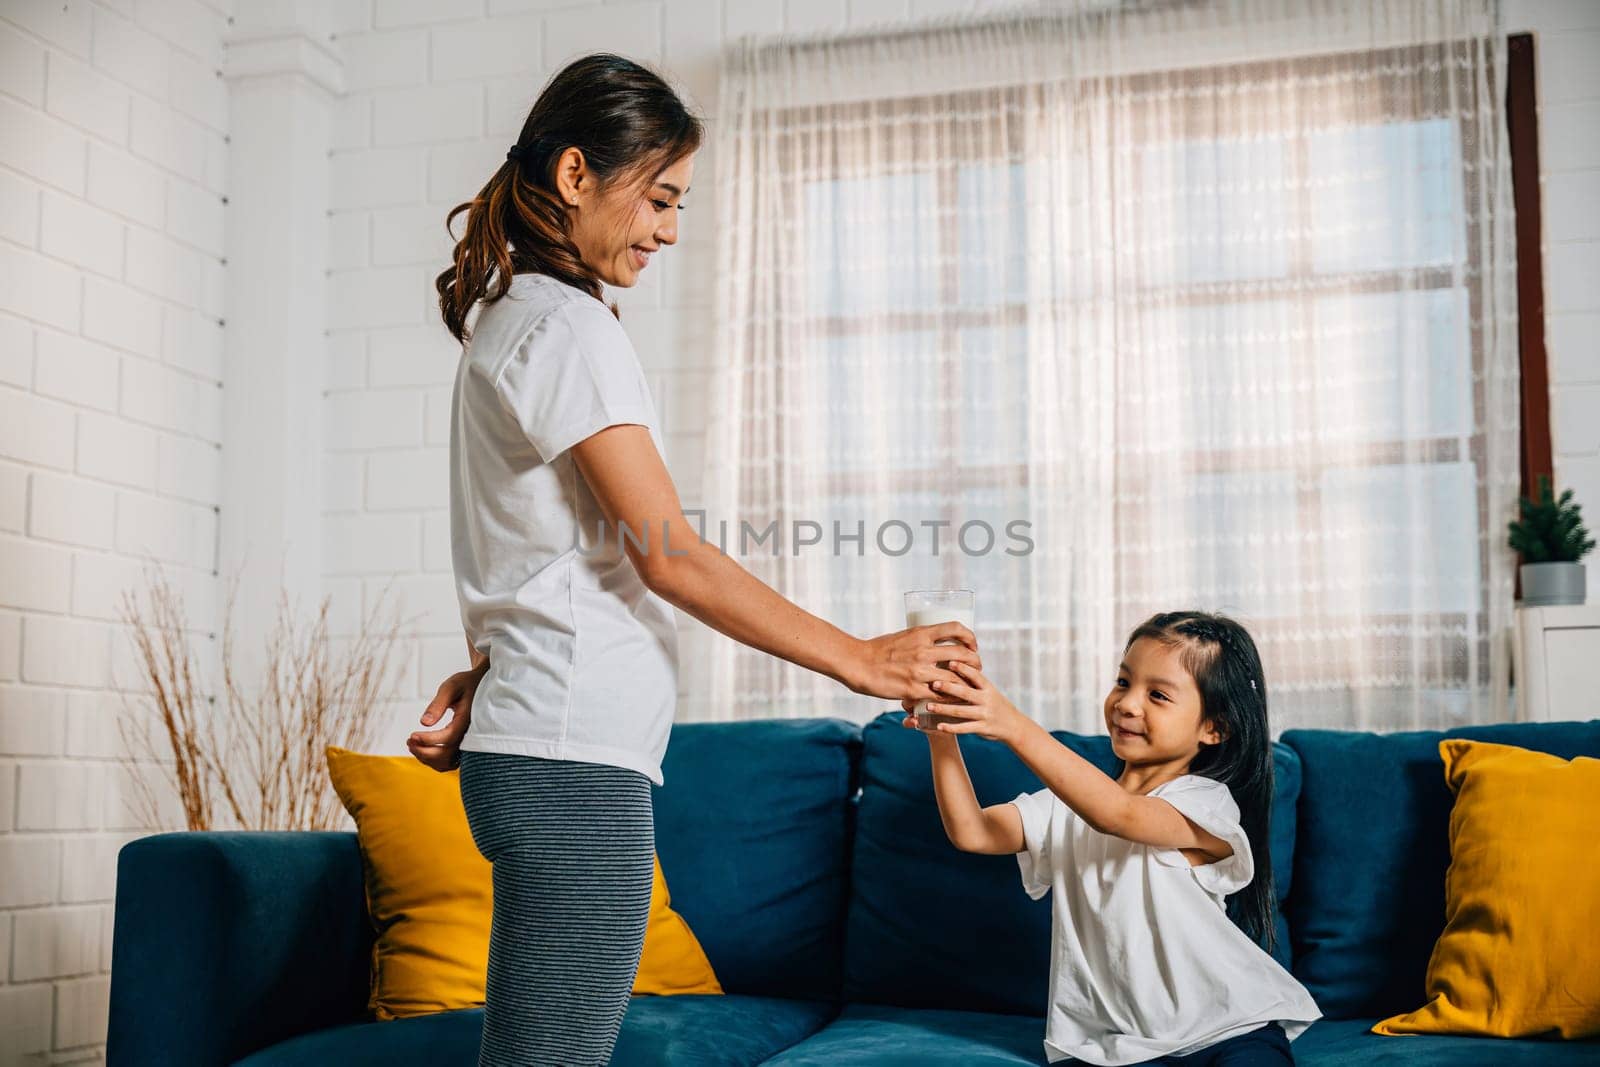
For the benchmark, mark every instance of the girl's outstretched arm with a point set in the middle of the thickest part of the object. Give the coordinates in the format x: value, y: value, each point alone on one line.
x: 1086, y: 788
x: 1083, y: 787
x: 994, y: 830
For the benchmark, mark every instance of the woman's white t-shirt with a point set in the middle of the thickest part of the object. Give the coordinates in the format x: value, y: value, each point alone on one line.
x: 582, y: 656
x: 1144, y: 960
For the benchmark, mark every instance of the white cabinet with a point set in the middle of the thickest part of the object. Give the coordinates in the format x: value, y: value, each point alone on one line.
x: 1556, y: 663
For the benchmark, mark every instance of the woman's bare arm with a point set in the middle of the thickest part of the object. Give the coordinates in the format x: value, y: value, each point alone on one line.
x: 634, y: 490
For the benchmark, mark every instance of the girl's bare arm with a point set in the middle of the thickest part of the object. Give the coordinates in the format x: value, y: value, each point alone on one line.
x: 994, y: 830
x: 1104, y: 804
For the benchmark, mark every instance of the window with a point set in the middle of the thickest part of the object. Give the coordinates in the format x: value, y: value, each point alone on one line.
x: 1350, y: 289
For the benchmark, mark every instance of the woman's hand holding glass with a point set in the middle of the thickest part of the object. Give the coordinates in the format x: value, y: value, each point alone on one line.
x: 900, y: 665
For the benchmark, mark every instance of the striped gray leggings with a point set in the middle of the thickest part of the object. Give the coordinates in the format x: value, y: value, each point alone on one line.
x: 572, y: 849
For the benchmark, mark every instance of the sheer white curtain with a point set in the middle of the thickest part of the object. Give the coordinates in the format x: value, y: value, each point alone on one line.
x: 1200, y: 304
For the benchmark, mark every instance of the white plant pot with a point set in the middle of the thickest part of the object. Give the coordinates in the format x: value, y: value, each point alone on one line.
x: 1548, y: 584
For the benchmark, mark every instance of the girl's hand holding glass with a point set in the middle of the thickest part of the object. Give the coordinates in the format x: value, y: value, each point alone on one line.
x: 982, y: 709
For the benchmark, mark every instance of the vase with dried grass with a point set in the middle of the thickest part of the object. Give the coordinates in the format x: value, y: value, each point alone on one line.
x: 254, y: 760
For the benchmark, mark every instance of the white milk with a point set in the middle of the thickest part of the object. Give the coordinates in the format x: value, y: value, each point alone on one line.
x: 930, y: 616
x: 934, y: 615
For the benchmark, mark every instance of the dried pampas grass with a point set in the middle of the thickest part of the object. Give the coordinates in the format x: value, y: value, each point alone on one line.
x: 252, y: 762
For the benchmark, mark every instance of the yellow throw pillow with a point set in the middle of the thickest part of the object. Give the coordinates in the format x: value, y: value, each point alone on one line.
x: 430, y: 894
x: 1518, y: 955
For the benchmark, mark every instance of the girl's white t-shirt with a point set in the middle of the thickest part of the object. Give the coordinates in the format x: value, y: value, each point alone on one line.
x: 582, y: 655
x: 1144, y: 960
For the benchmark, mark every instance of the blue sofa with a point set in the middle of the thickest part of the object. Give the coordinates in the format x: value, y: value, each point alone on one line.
x: 809, y: 859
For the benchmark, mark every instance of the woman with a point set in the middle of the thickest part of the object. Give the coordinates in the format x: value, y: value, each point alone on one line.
x: 573, y: 646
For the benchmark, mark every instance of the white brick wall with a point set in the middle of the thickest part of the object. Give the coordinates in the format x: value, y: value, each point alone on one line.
x: 113, y: 154
x: 112, y: 141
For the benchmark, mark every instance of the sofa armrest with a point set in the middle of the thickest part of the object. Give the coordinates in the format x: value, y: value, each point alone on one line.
x: 226, y: 943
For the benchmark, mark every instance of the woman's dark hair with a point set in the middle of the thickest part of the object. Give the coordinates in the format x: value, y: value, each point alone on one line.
x: 1222, y: 658
x: 629, y: 125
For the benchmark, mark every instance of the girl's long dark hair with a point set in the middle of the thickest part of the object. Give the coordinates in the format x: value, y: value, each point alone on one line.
x: 1221, y: 657
x: 629, y: 125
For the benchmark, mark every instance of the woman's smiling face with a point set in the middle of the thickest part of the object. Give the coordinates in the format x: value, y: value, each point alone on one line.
x: 619, y: 229
x: 1153, y: 711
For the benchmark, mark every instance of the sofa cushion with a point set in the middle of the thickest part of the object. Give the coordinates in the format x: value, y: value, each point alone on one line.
x: 1347, y: 1043
x: 444, y: 1037
x: 688, y: 1030
x: 1518, y: 898
x: 1372, y: 848
x: 882, y: 1036
x: 715, y: 1031
x: 994, y: 953
x: 752, y: 828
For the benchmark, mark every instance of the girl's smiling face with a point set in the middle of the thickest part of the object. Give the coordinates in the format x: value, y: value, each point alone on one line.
x: 618, y: 229
x: 1154, y: 711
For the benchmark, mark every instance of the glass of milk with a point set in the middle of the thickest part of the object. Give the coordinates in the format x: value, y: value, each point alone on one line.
x: 925, y: 607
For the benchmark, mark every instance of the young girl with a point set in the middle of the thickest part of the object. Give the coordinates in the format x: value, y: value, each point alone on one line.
x: 1145, y: 964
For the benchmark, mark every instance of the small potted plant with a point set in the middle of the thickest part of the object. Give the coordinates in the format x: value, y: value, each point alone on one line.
x: 1551, y: 538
